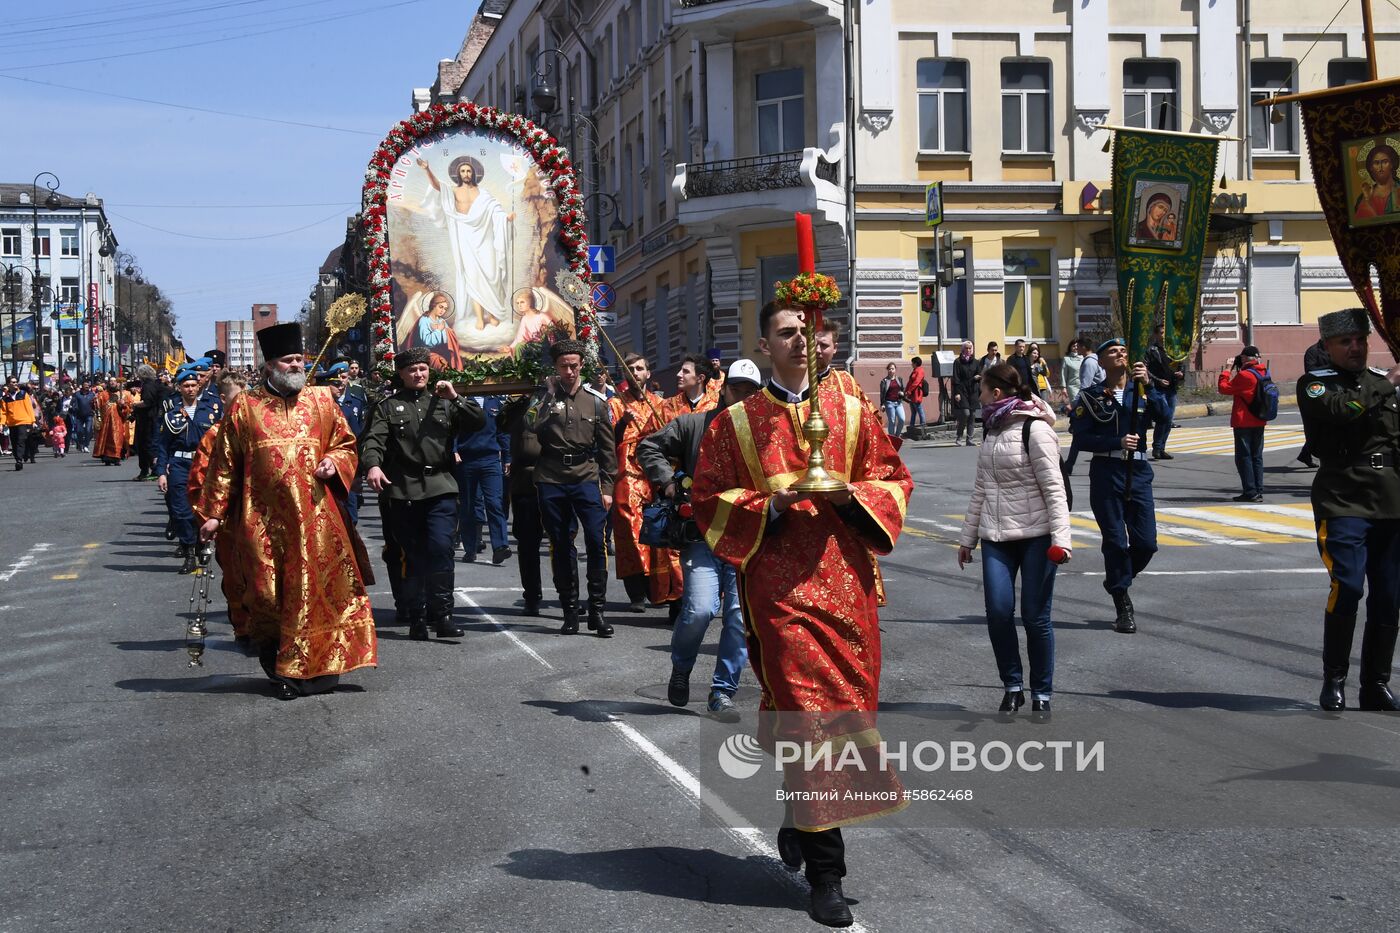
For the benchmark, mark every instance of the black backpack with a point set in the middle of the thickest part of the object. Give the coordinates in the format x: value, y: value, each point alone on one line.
x: 1064, y: 470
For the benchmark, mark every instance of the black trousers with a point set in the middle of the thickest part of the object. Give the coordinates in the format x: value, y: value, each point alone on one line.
x: 393, y: 557
x: 528, y: 535
x: 145, y: 445
x: 824, y: 854
x: 19, y: 441
x: 563, y: 508
x: 426, y: 533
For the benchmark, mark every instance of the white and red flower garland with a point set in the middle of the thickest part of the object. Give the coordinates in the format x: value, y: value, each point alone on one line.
x: 543, y: 148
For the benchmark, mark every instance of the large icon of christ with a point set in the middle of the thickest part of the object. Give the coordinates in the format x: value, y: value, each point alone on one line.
x: 478, y: 229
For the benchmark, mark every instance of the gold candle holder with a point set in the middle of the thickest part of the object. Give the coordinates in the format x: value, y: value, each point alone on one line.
x: 815, y: 429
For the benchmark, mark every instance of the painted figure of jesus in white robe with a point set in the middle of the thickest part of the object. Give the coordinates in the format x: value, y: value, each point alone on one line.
x: 478, y: 230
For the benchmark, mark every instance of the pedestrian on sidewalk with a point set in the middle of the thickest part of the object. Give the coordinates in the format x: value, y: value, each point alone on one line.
x: 1069, y: 373
x: 1351, y: 415
x: 1040, y: 374
x: 711, y: 585
x: 964, y: 393
x: 915, y: 391
x: 1020, y: 513
x: 1103, y: 424
x: 1166, y: 378
x: 1244, y: 381
x: 892, y: 398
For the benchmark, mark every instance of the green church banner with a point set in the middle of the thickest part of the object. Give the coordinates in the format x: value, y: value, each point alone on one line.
x: 1162, y: 185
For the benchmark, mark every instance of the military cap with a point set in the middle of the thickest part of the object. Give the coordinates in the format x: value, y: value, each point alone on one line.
x: 1111, y: 342
x: 565, y: 348
x: 1341, y: 323
x: 411, y: 357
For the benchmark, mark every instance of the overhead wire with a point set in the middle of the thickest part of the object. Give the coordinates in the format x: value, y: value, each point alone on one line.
x: 200, y: 236
x: 189, y: 45
x: 92, y: 23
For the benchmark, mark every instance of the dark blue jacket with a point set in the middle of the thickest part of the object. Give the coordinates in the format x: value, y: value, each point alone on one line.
x: 354, y: 405
x: 1099, y: 422
x: 177, y: 434
x: 492, y: 442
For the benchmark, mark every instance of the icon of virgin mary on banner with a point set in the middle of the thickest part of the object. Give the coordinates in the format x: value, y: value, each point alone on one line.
x: 473, y: 229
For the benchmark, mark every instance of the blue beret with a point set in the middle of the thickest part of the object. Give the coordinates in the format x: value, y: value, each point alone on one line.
x: 186, y: 372
x: 1111, y: 342
x: 338, y: 368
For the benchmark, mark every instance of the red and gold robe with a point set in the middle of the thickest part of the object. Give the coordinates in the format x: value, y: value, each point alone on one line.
x: 678, y: 405
x: 109, y: 440
x: 713, y: 387
x: 631, y: 491
x: 300, y: 581
x: 232, y: 582
x: 807, y: 577
x: 847, y: 384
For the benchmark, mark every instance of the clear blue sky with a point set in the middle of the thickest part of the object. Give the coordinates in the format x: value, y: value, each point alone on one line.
x: 350, y: 64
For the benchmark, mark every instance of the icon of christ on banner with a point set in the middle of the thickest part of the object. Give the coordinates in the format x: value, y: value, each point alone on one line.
x: 1371, y: 165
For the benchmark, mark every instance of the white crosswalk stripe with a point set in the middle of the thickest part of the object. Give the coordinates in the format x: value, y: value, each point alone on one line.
x: 1220, y: 440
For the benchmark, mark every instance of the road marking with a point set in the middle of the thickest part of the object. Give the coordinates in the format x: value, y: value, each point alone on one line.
x: 26, y: 561
x: 89, y: 547
x: 64, y: 576
x: 751, y: 838
x: 463, y: 592
x: 1243, y: 524
x: 1200, y: 573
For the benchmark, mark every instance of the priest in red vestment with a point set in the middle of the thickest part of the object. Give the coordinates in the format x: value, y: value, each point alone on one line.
x: 281, y: 459
x: 113, y: 410
x: 807, y: 581
x: 649, y: 573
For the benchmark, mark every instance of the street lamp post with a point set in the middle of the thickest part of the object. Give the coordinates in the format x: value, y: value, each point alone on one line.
x: 92, y: 304
x: 608, y: 205
x: 545, y: 97
x: 14, y: 299
x: 52, y: 202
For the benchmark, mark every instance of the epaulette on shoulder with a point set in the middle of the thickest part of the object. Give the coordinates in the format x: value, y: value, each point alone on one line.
x: 1323, y: 372
x: 1378, y: 370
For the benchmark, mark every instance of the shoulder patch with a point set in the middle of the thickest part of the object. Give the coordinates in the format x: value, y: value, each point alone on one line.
x: 1079, y: 412
x: 1378, y: 370
x: 1315, y: 390
x: 1322, y: 372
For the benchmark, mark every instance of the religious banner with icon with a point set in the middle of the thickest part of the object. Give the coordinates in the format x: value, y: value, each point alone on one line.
x: 1162, y: 185
x: 1353, y: 138
x: 477, y: 250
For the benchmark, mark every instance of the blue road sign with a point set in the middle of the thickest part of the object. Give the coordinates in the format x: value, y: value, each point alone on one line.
x: 604, y: 295
x: 602, y: 259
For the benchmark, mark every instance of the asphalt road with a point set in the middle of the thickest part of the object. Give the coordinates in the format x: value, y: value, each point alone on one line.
x: 517, y: 780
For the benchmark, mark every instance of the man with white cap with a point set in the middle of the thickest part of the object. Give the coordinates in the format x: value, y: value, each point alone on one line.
x: 711, y: 585
x: 1351, y: 415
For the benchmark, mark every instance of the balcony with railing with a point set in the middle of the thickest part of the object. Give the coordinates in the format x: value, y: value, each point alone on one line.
x: 708, y: 19
x: 759, y: 188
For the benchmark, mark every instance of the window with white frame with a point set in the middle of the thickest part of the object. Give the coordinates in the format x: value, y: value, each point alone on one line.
x: 69, y: 292
x: 1029, y: 294
x: 68, y: 242
x: 779, y: 110
x: 1025, y: 105
x: 11, y: 240
x: 1344, y: 71
x: 1268, y: 79
x: 942, y: 90
x: 43, y: 246
x: 1150, y: 94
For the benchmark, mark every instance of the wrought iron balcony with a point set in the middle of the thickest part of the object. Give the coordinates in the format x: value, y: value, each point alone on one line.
x: 736, y: 176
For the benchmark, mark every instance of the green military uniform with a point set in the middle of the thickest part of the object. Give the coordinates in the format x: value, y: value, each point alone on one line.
x: 410, y: 437
x: 576, y: 467
x: 1352, y: 422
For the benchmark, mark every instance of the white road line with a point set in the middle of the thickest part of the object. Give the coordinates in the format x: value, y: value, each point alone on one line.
x: 1233, y: 521
x: 750, y: 838
x: 462, y: 592
x: 26, y: 561
x: 1304, y: 512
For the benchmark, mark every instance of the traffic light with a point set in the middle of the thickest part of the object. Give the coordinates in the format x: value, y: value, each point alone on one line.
x: 951, y: 260
x: 928, y: 297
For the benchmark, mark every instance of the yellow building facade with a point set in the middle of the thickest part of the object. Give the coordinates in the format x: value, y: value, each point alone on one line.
x: 1004, y: 104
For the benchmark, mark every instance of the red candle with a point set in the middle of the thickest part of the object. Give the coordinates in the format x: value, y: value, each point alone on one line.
x: 806, y: 254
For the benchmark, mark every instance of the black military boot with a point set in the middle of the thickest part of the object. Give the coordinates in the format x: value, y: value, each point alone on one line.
x: 1336, y: 655
x: 598, y: 624
x: 568, y: 600
x: 187, y: 553
x: 417, y: 623
x: 1377, y: 650
x: 440, y: 606
x: 1125, y: 623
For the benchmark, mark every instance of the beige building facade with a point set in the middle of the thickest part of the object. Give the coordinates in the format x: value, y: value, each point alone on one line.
x: 1004, y: 103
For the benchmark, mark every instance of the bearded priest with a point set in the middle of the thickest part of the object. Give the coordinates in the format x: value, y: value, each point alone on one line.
x: 807, y: 585
x: 280, y: 469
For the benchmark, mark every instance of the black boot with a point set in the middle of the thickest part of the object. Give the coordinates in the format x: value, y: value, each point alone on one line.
x: 1377, y: 650
x: 828, y: 905
x: 187, y: 552
x: 1125, y: 623
x: 1336, y: 656
x: 440, y: 606
x: 598, y: 624
x: 417, y: 624
x: 570, y: 626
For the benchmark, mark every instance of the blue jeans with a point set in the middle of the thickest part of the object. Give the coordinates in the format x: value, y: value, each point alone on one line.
x: 894, y: 418
x: 1163, y: 427
x: 1001, y: 561
x: 916, y: 413
x: 1249, y: 460
x: 710, y: 585
x: 479, y: 483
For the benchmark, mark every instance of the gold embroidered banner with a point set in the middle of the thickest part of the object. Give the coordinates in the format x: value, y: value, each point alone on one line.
x: 1353, y: 140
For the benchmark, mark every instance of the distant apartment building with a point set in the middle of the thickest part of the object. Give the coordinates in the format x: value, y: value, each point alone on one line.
x: 263, y: 316
x: 235, y: 339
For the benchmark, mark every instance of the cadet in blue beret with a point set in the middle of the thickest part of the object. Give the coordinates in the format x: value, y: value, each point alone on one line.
x: 177, y: 438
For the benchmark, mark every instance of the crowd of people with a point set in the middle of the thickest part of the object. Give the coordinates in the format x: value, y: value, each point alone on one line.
x: 692, y: 496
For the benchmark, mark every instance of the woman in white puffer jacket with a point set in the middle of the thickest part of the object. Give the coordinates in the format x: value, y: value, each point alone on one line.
x: 1020, y: 513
